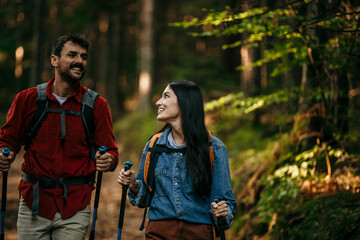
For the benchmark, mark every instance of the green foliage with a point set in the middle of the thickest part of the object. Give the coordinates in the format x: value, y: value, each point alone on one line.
x: 235, y: 103
x: 258, y: 23
x: 281, y: 196
x: 133, y: 131
x: 209, y: 73
x: 320, y: 36
x: 329, y: 217
x: 279, y: 193
x: 290, y: 37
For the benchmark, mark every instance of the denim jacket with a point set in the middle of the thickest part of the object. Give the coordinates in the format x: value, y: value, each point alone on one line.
x: 174, y: 197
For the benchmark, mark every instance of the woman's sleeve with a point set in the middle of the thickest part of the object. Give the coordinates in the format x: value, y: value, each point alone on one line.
x: 139, y: 198
x: 221, y: 182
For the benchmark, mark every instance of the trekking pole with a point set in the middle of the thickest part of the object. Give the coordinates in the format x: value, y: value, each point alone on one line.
x: 102, y: 150
x: 5, y: 152
x: 220, y: 221
x: 127, y: 166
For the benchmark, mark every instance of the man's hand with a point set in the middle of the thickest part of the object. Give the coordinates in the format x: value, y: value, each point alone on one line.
x: 6, y: 161
x: 104, y: 162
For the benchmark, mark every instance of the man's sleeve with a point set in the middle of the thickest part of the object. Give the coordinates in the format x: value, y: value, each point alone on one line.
x: 104, y: 135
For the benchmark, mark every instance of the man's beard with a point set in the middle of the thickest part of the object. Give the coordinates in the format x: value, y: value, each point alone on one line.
x: 68, y: 76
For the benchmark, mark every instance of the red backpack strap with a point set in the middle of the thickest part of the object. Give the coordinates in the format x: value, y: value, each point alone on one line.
x: 147, y: 160
x: 211, y: 153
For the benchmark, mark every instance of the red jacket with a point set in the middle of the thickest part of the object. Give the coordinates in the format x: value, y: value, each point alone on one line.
x: 49, y: 156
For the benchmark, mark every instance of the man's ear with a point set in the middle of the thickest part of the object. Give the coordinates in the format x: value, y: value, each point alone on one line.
x: 54, y: 60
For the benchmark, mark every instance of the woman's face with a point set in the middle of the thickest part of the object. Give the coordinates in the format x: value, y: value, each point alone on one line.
x: 168, y: 107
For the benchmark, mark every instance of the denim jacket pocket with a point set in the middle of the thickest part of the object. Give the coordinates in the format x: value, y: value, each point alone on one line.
x: 161, y: 182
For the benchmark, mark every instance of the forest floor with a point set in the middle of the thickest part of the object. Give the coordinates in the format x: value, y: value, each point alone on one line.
x: 108, y: 210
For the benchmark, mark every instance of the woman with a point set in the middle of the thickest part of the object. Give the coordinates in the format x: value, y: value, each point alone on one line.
x: 182, y: 205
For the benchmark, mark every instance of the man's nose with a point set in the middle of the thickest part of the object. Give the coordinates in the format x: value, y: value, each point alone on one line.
x: 79, y: 58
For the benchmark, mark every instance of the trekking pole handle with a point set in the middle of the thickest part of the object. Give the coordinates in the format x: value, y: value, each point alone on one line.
x: 217, y: 199
x: 128, y: 165
x: 220, y: 220
x: 5, y: 151
x: 102, y: 150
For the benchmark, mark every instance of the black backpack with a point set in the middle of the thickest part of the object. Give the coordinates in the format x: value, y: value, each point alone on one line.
x: 86, y: 114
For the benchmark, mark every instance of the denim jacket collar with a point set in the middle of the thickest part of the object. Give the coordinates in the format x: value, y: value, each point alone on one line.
x: 163, y: 138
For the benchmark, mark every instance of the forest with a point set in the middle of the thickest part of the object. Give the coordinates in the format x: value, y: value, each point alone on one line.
x: 280, y: 79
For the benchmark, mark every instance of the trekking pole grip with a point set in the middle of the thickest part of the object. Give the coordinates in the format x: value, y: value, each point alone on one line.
x: 5, y: 152
x: 102, y: 150
x: 220, y: 220
x: 127, y: 166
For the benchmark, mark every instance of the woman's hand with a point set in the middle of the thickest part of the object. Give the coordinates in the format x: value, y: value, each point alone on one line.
x: 219, y: 209
x: 128, y: 179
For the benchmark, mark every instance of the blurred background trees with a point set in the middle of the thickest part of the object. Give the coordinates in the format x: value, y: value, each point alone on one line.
x: 280, y: 80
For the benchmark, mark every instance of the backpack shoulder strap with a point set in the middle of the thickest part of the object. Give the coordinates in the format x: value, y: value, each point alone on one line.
x: 211, y: 152
x: 41, y: 90
x: 149, y: 169
x: 150, y: 155
x: 87, y: 117
x: 39, y: 114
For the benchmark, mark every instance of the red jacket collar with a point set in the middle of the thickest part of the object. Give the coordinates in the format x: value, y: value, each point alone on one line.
x: 77, y: 94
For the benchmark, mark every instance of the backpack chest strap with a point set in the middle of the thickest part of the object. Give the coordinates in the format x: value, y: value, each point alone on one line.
x: 63, y: 113
x: 165, y: 149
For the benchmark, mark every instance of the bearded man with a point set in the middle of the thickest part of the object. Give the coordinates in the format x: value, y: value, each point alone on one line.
x: 60, y: 158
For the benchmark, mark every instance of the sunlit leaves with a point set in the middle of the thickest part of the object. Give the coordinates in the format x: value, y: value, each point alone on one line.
x: 237, y: 104
x: 289, y: 31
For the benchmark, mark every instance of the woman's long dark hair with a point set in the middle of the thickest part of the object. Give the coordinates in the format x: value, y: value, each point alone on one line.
x: 191, y: 105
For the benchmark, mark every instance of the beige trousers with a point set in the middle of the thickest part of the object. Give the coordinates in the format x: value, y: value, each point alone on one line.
x: 38, y: 228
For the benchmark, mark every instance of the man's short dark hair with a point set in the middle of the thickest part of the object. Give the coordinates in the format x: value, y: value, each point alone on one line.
x: 59, y: 43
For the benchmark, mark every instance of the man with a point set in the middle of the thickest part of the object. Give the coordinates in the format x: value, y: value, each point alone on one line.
x: 58, y: 170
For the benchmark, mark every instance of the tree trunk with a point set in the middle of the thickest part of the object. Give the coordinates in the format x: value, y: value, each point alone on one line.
x: 35, y: 59
x: 146, y: 54
x: 114, y: 66
x: 263, y: 68
x: 247, y: 74
x: 309, y: 108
